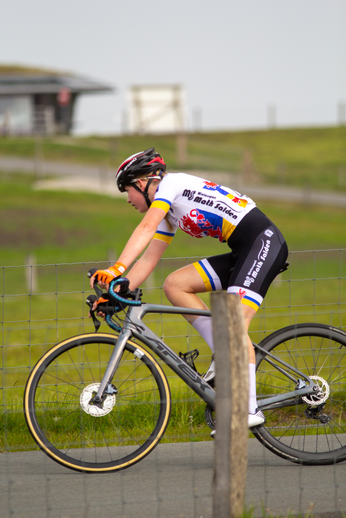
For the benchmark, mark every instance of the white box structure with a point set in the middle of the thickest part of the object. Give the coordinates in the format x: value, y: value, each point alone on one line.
x: 156, y: 109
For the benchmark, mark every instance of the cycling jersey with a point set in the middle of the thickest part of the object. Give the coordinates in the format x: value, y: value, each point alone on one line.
x: 199, y: 207
x: 202, y: 208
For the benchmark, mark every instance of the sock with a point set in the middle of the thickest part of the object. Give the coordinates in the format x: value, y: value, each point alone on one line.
x: 252, y: 389
x: 204, y: 326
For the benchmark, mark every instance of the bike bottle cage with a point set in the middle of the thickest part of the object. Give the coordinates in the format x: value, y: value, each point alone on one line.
x: 190, y: 357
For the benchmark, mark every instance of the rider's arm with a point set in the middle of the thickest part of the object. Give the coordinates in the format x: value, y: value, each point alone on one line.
x: 138, y: 241
x: 142, y: 235
x: 146, y: 264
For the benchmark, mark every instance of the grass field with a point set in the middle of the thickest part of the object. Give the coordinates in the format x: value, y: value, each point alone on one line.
x: 67, y: 227
x: 69, y: 232
x: 304, y: 157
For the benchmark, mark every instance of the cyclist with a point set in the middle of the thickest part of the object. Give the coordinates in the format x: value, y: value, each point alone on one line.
x: 200, y: 208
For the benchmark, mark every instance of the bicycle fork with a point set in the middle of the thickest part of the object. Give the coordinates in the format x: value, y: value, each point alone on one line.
x: 105, y: 387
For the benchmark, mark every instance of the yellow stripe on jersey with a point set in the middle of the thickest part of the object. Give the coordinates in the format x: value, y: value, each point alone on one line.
x: 250, y: 303
x: 163, y: 236
x: 161, y: 204
x: 204, y: 276
x: 227, y: 229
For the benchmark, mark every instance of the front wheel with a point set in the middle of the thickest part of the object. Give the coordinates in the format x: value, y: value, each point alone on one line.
x: 81, y: 436
x: 311, y: 429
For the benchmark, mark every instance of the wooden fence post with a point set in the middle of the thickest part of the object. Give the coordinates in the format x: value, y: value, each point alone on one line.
x: 232, y: 374
x: 31, y: 274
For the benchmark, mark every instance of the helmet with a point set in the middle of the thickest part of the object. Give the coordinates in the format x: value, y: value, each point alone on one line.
x: 139, y: 164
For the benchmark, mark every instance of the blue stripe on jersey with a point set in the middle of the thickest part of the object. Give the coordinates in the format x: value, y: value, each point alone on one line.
x: 164, y: 200
x: 254, y: 301
x: 170, y: 234
x: 208, y: 275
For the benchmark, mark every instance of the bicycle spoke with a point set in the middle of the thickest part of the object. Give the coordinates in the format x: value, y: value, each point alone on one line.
x: 314, y: 431
x: 120, y: 430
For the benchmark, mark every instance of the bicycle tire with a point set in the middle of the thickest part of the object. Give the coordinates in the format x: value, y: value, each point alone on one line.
x: 310, y: 431
x: 83, y: 437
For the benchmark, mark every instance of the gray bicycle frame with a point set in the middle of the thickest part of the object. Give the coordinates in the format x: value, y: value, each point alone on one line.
x: 134, y: 327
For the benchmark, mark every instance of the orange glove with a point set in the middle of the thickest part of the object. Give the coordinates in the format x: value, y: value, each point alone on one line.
x: 101, y: 300
x: 111, y: 273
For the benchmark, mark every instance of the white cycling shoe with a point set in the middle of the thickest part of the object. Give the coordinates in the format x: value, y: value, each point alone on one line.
x: 252, y: 421
x: 255, y: 419
x: 209, y: 376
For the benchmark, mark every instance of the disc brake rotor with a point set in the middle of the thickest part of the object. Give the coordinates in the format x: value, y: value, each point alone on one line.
x: 319, y: 397
x: 90, y: 408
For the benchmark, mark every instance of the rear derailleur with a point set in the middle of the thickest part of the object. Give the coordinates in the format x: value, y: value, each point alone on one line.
x: 315, y: 412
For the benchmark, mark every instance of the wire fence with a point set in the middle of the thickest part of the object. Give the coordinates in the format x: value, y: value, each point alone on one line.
x: 45, y: 304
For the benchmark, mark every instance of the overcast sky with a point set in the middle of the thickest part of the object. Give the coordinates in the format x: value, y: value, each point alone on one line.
x: 233, y: 57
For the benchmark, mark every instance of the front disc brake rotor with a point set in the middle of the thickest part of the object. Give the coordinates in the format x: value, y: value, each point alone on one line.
x: 90, y: 408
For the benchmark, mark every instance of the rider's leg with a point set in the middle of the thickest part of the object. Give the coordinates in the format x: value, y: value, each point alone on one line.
x: 180, y: 288
x: 249, y: 313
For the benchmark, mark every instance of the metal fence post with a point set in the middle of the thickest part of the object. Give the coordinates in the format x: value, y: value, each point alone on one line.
x: 231, y: 360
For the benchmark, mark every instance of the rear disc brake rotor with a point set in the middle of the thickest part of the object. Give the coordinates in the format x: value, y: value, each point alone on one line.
x: 319, y: 397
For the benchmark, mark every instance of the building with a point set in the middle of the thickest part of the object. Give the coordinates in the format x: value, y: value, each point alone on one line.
x: 156, y: 109
x: 37, y: 101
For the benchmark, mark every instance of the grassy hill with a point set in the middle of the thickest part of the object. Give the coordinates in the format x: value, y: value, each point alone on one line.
x: 78, y: 228
x: 308, y: 157
x: 65, y: 227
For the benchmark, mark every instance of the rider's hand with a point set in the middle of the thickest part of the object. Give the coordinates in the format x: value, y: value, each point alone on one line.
x: 104, y: 277
x: 101, y: 300
x: 104, y: 300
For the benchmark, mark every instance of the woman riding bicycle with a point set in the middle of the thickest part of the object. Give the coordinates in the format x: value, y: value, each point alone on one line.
x: 200, y: 208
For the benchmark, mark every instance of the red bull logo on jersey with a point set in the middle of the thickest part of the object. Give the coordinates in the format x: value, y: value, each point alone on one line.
x: 211, y: 186
x: 201, y: 224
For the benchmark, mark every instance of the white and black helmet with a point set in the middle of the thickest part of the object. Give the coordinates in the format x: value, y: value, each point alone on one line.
x: 140, y: 164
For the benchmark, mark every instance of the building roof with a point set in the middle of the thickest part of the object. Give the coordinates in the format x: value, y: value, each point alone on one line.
x: 21, y: 80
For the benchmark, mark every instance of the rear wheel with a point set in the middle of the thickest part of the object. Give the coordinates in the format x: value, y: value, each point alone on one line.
x: 79, y: 435
x: 312, y: 429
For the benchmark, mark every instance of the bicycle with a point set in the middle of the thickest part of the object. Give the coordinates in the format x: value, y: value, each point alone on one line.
x: 85, y: 395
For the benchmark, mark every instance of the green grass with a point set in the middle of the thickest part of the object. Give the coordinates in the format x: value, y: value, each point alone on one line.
x: 186, y: 424
x: 74, y: 227
x: 81, y: 229
x: 84, y: 229
x: 314, y: 157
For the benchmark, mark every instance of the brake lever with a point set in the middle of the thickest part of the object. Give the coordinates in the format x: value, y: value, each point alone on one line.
x: 97, y: 288
x: 90, y: 302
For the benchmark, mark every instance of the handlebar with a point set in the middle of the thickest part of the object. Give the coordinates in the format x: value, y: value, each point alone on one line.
x: 124, y: 296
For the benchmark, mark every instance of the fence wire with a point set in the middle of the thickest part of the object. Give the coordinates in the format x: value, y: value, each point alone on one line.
x: 42, y: 305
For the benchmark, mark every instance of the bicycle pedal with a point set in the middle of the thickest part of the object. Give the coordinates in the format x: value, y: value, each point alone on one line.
x: 189, y: 357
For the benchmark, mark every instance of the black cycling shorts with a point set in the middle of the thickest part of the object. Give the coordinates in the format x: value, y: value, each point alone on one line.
x: 259, y: 252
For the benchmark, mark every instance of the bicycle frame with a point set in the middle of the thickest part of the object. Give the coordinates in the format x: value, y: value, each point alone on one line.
x: 134, y: 327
